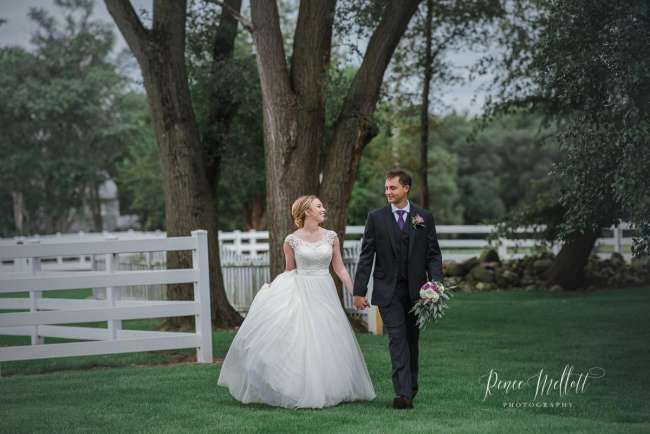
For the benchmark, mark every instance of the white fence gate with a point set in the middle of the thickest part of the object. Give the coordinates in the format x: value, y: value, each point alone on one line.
x: 43, y: 312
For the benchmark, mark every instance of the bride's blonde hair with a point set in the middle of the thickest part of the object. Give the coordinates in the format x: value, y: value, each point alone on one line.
x: 299, y: 207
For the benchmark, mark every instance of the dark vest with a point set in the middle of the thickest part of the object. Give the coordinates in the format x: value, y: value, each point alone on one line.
x: 402, y: 248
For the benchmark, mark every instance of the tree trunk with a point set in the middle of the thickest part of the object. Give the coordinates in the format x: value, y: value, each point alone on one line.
x: 293, y: 109
x: 189, y: 198
x: 569, y: 265
x: 424, y: 110
x: 222, y: 108
x: 221, y: 114
x: 255, y: 212
x: 18, y: 199
x: 354, y: 127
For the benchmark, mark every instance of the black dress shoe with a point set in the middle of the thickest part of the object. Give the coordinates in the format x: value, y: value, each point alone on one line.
x: 402, y: 402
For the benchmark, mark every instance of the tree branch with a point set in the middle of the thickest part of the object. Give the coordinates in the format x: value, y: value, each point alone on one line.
x: 312, y: 48
x: 363, y: 94
x: 135, y: 34
x: 234, y: 12
x: 274, y: 73
x: 223, y: 44
x: 354, y: 128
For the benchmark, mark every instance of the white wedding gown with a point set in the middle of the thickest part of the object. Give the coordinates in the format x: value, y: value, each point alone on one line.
x: 296, y: 348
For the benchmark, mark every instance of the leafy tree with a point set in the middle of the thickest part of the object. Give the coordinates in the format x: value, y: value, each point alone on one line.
x: 229, y: 116
x: 64, y: 120
x: 476, y: 177
x: 437, y: 28
x: 584, y: 64
x: 138, y: 174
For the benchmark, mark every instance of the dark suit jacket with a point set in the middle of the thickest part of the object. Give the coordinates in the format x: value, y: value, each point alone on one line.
x: 380, y: 241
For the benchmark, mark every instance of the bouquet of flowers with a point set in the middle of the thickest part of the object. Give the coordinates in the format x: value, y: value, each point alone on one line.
x: 432, y: 303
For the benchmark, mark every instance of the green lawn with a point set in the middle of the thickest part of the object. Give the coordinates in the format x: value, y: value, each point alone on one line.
x: 516, y: 333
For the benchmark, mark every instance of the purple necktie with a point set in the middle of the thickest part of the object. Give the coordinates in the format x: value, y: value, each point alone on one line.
x: 400, y: 219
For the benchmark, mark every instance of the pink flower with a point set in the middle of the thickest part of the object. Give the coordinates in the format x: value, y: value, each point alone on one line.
x: 417, y: 221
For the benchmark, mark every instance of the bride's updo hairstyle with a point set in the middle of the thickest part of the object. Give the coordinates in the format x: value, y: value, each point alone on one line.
x: 299, y: 207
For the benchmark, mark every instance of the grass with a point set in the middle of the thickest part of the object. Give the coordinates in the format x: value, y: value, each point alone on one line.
x: 516, y: 333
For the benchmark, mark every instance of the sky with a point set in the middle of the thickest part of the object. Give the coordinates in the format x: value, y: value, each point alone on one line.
x: 466, y: 98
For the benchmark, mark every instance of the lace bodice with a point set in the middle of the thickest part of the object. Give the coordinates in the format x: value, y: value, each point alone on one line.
x: 312, y: 255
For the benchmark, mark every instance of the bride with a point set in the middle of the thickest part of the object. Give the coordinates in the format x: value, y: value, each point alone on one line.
x: 296, y: 348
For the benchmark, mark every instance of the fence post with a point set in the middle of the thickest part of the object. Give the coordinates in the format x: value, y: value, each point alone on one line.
x: 502, y: 249
x: 34, y: 296
x: 115, y: 325
x: 618, y: 239
x: 237, y: 241
x: 202, y: 321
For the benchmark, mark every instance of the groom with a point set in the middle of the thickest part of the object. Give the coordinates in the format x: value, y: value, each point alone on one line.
x: 401, y: 238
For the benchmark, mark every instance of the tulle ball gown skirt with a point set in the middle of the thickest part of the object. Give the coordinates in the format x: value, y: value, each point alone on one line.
x: 296, y: 348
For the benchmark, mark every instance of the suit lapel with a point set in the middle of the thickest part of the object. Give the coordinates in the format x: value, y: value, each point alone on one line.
x: 391, y: 225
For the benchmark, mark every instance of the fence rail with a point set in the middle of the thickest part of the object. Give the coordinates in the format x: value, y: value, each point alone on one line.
x: 46, y: 314
x: 245, y: 262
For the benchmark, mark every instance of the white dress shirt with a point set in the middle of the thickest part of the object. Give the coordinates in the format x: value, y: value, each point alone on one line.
x: 407, y: 208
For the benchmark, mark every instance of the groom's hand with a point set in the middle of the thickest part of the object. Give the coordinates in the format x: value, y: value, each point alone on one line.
x: 360, y: 302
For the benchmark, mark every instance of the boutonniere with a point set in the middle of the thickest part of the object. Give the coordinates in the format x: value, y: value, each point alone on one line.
x: 417, y: 221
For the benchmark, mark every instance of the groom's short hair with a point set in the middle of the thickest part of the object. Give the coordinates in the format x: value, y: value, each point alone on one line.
x: 404, y: 178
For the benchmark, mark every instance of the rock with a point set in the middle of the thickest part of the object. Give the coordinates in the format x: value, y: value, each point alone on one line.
x: 511, y: 277
x: 498, y: 278
x: 491, y: 265
x: 541, y: 265
x: 453, y: 269
x: 546, y: 254
x: 607, y: 271
x: 489, y: 255
x: 482, y: 274
x: 641, y: 263
x: 617, y: 259
x: 614, y: 281
x: 466, y: 287
x: 527, y: 280
x: 638, y: 280
x: 484, y: 286
x: 470, y: 263
x: 505, y: 278
x: 637, y: 266
x: 555, y: 288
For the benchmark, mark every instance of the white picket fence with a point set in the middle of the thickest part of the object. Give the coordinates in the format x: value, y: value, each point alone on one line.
x: 43, y: 312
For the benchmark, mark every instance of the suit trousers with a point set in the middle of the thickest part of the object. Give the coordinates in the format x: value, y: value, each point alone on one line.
x: 403, y: 334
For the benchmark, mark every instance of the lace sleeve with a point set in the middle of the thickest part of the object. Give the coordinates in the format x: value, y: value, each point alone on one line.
x: 291, y: 240
x: 331, y: 236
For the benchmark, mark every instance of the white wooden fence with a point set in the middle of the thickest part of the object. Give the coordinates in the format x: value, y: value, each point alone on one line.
x: 457, y: 242
x: 43, y: 312
x: 245, y: 263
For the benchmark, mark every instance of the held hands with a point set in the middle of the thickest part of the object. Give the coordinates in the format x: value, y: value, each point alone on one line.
x: 360, y: 302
